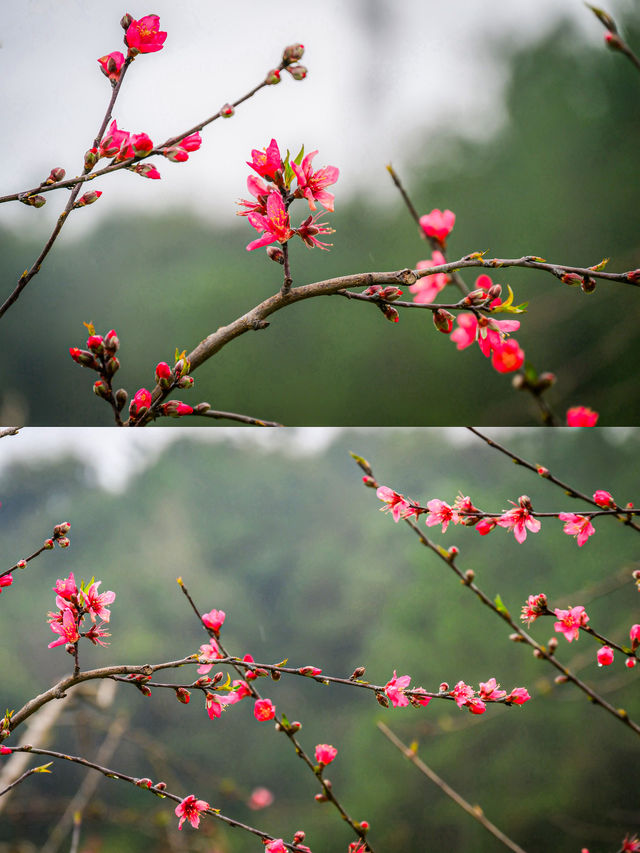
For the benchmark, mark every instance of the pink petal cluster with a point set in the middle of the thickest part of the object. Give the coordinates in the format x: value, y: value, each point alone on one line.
x: 140, y: 403
x: 441, y: 513
x: 275, y: 226
x: 66, y: 627
x: 311, y: 185
x: 438, y: 224
x: 214, y: 619
x: 208, y: 652
x: 581, y: 416
x: 111, y: 65
x: 604, y: 499
x: 605, y: 656
x: 179, y: 152
x: 95, y: 603
x: 536, y: 605
x: 6, y: 580
x: 570, y: 621
x: 144, y: 35
x: 325, y: 753
x: 264, y: 710
x: 395, y: 688
x: 427, y: 288
x: 267, y: 163
x: 519, y: 519
x: 396, y: 504
x: 518, y: 696
x: 577, y: 525
x: 190, y: 809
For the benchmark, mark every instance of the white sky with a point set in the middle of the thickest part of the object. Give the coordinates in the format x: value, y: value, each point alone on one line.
x: 380, y: 70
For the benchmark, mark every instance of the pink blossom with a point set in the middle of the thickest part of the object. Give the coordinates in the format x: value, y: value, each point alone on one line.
x: 581, y: 416
x: 96, y: 634
x: 476, y: 706
x: 427, y: 288
x: 634, y: 633
x: 395, y: 690
x: 190, y: 809
x: 260, y: 191
x: 208, y: 653
x: 571, y: 620
x: 325, y: 753
x: 485, y: 526
x: 420, y: 697
x: 175, y: 154
x: 111, y: 65
x: 630, y: 844
x: 310, y: 228
x: 276, y: 846
x: 140, y: 403
x: 214, y: 619
x: 140, y: 144
x: 6, y: 580
x: 466, y: 332
x: 276, y: 225
x: 260, y: 798
x: 264, y: 710
x: 115, y: 139
x: 605, y: 656
x: 441, y: 513
x: 66, y: 628
x: 518, y: 696
x: 520, y: 518
x: 213, y: 705
x: 312, y: 184
x: 95, y: 603
x: 191, y: 143
x: 604, y: 499
x: 176, y: 409
x: 267, y: 163
x: 438, y: 224
x: 577, y: 525
x: 396, y: 504
x: 309, y: 671
x: 508, y: 356
x: 536, y: 605
x: 462, y: 693
x: 490, y: 690
x: 630, y: 662
x: 144, y: 36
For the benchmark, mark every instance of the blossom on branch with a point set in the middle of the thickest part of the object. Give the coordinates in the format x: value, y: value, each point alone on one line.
x: 308, y: 230
x: 325, y: 753
x: 111, y: 65
x: 5, y: 580
x: 190, y: 809
x: 264, y: 710
x: 441, y: 513
x: 427, y: 288
x: 577, y: 525
x: 605, y: 656
x: 213, y: 619
x: 581, y: 416
x: 536, y: 606
x: 144, y: 36
x: 275, y: 225
x: 396, y: 504
x: 438, y: 224
x: 67, y: 628
x: 570, y: 622
x: 520, y: 519
x: 604, y: 499
x: 268, y: 162
x: 395, y: 688
x: 311, y: 185
x: 95, y: 603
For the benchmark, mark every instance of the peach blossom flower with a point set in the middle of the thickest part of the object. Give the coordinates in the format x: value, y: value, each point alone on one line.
x: 190, y: 809
x: 577, y: 525
x: 260, y: 798
x: 144, y: 36
x: 570, y: 621
x: 438, y: 224
x: 520, y: 519
x: 395, y: 690
x: 312, y: 184
x: 605, y: 656
x: 325, y: 753
x: 264, y: 710
x: 581, y: 416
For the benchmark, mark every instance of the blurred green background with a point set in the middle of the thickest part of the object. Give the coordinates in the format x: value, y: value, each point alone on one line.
x: 558, y: 180
x: 286, y: 540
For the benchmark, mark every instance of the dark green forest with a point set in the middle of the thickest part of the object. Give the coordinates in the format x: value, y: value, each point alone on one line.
x: 294, y: 549
x: 557, y: 180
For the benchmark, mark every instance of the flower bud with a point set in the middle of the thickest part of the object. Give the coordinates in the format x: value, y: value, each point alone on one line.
x: 299, y: 837
x: 517, y: 638
x: 588, y: 285
x: 298, y: 72
x: 320, y: 798
x: 33, y: 200
x: 203, y: 681
x: 276, y: 254
x: 90, y: 159
x: 201, y: 408
x: 185, y: 382
x: 88, y: 198
x: 561, y: 679
x: 544, y: 472
x: 143, y: 783
x: 469, y: 576
x: 630, y: 663
x: 634, y: 276
x: 292, y: 53
x: 358, y: 672
x: 546, y: 380
x: 101, y: 389
x: 125, y: 21
x: 295, y: 726
x: 272, y: 77
x: 62, y: 529
x: 176, y: 409
x: 494, y: 291
x: 161, y: 786
x: 519, y: 382
x: 121, y: 397
x: 571, y: 278
x: 175, y: 154
x: 141, y: 144
x: 226, y: 111
x: 63, y: 542
x: 164, y: 374
x: 476, y: 297
x: 48, y: 544
x: 443, y: 320
x: 112, y: 365
x: 444, y: 687
x: 70, y: 649
x: 147, y: 170
x: 552, y: 645
x: 95, y: 344
x: 390, y: 313
x: 382, y: 700
x: 183, y: 695
x: 111, y: 341
x: 369, y: 482
x: 275, y: 675
x: 217, y: 678
x: 613, y: 41
x: 56, y: 175
x: 21, y: 564
x: 390, y: 293
x: 84, y: 358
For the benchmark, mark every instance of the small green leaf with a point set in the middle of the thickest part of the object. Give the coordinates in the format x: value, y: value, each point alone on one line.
x: 500, y: 606
x: 44, y: 768
x: 299, y: 156
x: 599, y: 267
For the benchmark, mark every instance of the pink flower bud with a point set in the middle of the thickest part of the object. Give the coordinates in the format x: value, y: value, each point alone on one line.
x: 276, y: 254
x: 298, y: 72
x: 325, y: 753
x: 485, y: 525
x: 191, y: 143
x: 21, y: 564
x: 272, y: 77
x: 309, y: 671
x: 143, y: 783
x: 111, y: 65
x: 186, y: 382
x: 63, y: 542
x: 141, y: 144
x: 634, y: 633
x: 604, y: 499
x: 163, y: 374
x: 438, y: 224
x: 588, y: 284
x: 95, y: 343
x: 605, y: 656
x: 613, y: 41
x: 390, y: 293
x: 634, y: 276
x: 140, y: 403
x: 56, y: 175
x: 84, y: 358
x: 544, y: 472
x: 183, y: 695
x: 33, y: 200
x: 62, y: 529
x: 630, y: 663
x: 260, y: 798
x: 226, y: 111
x: 175, y: 154
x: 48, y: 544
x: 443, y: 320
x: 101, y: 389
x: 88, y: 198
x: 293, y: 52
x: 176, y: 409
x: 147, y: 170
x: 125, y: 21
x: 390, y: 313
x: 90, y: 159
x: 581, y: 416
x: 214, y: 619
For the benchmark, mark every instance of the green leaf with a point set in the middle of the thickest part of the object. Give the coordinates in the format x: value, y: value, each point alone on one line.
x: 299, y: 156
x: 500, y: 606
x: 599, y: 267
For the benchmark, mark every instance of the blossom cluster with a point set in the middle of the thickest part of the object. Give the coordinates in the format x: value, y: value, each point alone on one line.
x: 273, y: 192
x: 463, y: 694
x: 570, y: 621
x: 517, y: 520
x: 74, y: 603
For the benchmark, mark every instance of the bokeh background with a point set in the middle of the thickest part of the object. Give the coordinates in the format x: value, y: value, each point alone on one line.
x: 276, y: 529
x: 513, y: 115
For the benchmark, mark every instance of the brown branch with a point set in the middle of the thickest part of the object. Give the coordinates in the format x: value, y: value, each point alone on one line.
x: 475, y: 811
x: 5, y: 431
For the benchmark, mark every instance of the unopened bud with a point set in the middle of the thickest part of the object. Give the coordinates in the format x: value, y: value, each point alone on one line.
x: 90, y: 159
x: 63, y: 542
x: 476, y: 297
x: 217, y: 678
x: 275, y: 254
x: 146, y: 691
x: 320, y: 798
x: 183, y: 695
x: 95, y: 344
x: 111, y: 341
x: 112, y: 365
x: 125, y: 21
x: 62, y: 529
x: 634, y: 276
x: 201, y: 408
x: 382, y: 700
x: 298, y: 72
x: 121, y: 397
x: 525, y: 502
x: 546, y: 380
x: 364, y: 825
x: 358, y: 672
x: 295, y: 726
x: 185, y: 382
x: 299, y: 837
x: 537, y: 653
x: 21, y: 564
x: 443, y: 320
x: 161, y: 786
x: 33, y: 200
x: 613, y: 41
x: 494, y: 291
x: 390, y: 293
x: 444, y: 687
x: 70, y: 649
x: 227, y: 111
x: 56, y: 175
x: 293, y: 52
x: 48, y: 544
x: 390, y: 313
x: 272, y: 77
x: 203, y: 681
x: 164, y: 374
x: 101, y: 389
x: 88, y: 198
x: 588, y: 285
x: 143, y: 783
x: 552, y: 645
x: 519, y: 382
x: 517, y: 638
x: 370, y: 482
x: 469, y: 576
x: 544, y: 472
x: 571, y: 278
x: 561, y: 679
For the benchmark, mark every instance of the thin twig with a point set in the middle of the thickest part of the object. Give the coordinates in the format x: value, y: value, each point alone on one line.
x: 475, y: 811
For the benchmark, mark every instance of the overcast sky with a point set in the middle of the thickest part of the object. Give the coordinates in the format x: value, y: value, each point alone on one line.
x: 379, y: 71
